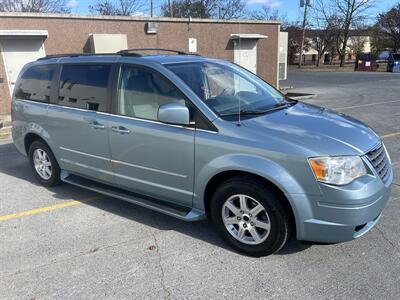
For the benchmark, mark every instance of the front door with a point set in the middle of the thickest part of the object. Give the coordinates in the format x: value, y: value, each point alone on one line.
x: 150, y: 157
x: 17, y: 52
x: 245, y: 54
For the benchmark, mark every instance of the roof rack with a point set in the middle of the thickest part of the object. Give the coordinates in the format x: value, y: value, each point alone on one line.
x: 129, y: 51
x: 83, y: 54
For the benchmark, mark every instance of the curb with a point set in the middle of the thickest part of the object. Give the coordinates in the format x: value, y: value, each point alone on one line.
x: 300, y: 96
x: 5, y: 132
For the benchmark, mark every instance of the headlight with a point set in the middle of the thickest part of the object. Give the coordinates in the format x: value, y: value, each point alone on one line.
x: 339, y: 170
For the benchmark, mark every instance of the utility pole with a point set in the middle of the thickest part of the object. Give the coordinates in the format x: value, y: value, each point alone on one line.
x: 306, y: 3
x: 170, y: 8
x: 151, y: 8
x: 220, y: 12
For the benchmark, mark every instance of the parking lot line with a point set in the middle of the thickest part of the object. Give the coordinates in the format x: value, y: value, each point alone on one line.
x: 364, y: 105
x: 391, y: 134
x: 48, y: 208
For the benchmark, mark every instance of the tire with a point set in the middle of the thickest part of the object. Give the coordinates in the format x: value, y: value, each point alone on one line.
x: 44, y: 164
x: 271, y: 226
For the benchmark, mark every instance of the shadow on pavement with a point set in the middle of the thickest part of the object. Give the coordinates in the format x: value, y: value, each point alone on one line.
x: 12, y: 163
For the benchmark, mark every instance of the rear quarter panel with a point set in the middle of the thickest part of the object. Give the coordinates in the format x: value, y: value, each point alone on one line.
x: 28, y: 117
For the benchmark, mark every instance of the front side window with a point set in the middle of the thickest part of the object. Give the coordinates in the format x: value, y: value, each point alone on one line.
x: 84, y: 86
x: 141, y: 92
x: 35, y: 83
x: 227, y: 88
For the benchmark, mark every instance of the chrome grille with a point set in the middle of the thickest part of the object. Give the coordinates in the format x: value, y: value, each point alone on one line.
x: 379, y: 161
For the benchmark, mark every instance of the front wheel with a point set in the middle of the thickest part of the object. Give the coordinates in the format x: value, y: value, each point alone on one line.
x: 44, y: 164
x: 250, y: 216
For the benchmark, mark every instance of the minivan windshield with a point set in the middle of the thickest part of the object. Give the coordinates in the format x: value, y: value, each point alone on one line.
x: 229, y: 89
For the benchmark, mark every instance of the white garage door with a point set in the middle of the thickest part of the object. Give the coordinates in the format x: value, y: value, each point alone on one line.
x: 17, y: 52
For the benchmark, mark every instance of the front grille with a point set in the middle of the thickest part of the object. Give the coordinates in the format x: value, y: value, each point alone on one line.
x: 379, y: 161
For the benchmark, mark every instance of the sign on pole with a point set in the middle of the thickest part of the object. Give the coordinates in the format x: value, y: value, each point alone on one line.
x: 302, y: 3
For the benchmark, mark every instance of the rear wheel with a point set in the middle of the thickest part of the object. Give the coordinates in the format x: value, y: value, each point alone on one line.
x: 250, y: 216
x: 44, y: 164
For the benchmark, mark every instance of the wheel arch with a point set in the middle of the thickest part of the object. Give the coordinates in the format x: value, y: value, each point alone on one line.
x: 223, y: 176
x: 30, y: 138
x: 260, y: 168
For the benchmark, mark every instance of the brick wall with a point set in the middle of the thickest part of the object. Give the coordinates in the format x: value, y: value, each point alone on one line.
x: 69, y: 34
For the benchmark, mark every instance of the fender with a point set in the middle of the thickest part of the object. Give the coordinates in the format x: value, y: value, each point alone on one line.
x: 260, y: 166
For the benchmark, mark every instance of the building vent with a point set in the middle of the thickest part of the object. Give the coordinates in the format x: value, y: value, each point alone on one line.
x: 151, y: 27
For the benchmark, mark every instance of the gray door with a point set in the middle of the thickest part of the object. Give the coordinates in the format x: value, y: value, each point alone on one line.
x: 150, y: 157
x: 77, y: 125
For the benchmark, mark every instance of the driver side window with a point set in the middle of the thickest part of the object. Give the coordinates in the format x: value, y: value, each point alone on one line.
x: 141, y: 92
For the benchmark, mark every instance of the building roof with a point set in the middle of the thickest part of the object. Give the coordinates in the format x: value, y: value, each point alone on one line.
x: 130, y: 18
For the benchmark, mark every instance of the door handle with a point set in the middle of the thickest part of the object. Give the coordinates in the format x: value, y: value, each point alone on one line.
x: 96, y: 125
x: 120, y: 129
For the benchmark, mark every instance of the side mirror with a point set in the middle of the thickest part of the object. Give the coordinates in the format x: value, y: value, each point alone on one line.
x: 174, y: 113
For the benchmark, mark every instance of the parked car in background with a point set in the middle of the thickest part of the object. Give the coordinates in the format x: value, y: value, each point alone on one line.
x: 394, y: 63
x: 195, y: 137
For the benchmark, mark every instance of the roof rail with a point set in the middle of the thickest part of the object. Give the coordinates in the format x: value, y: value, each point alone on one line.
x: 128, y: 51
x: 82, y: 54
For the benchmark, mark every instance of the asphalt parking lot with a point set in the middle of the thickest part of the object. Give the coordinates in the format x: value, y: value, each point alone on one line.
x: 67, y: 242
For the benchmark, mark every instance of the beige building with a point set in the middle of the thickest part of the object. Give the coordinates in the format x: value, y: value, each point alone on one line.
x: 355, y: 44
x: 25, y: 37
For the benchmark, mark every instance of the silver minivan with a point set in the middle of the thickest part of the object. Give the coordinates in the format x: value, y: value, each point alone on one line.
x: 195, y: 137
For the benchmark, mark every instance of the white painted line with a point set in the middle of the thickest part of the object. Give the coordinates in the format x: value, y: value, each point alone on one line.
x: 364, y: 105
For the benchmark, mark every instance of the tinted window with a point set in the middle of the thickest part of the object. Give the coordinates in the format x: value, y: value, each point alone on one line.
x: 84, y: 86
x: 35, y: 83
x: 141, y: 92
x: 396, y: 56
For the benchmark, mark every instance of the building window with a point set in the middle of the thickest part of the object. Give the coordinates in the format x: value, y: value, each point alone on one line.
x: 35, y: 83
x: 84, y: 86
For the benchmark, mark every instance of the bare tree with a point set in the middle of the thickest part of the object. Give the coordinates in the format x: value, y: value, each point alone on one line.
x: 269, y: 14
x: 295, y: 33
x: 117, y: 8
x: 388, y: 27
x: 357, y: 44
x: 49, y: 6
x: 323, y: 33
x: 224, y: 9
x: 231, y: 9
x: 343, y: 16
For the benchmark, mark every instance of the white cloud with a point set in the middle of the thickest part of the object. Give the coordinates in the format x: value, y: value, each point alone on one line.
x: 269, y: 3
x: 72, y: 3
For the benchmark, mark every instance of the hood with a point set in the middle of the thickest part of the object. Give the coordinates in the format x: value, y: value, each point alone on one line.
x: 321, y: 131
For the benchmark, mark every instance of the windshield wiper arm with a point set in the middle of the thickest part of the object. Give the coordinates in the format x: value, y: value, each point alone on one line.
x: 244, y: 113
x: 260, y: 112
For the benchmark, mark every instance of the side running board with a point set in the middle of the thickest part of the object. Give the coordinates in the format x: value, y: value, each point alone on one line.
x: 174, y: 210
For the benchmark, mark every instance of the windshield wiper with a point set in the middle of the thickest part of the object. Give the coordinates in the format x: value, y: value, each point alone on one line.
x: 260, y: 112
x: 244, y: 113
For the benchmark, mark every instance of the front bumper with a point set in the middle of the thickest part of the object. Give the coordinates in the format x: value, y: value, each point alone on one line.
x: 342, y: 213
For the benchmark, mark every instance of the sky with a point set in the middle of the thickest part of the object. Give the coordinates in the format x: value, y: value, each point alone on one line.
x: 289, y: 8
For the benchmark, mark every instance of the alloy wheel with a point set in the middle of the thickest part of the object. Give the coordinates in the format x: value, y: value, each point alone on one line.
x: 42, y: 164
x: 246, y: 219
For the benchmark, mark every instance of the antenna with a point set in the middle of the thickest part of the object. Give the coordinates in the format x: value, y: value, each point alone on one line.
x: 240, y: 109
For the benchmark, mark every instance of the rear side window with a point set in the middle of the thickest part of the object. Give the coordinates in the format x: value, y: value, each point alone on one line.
x: 35, y: 83
x: 84, y: 86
